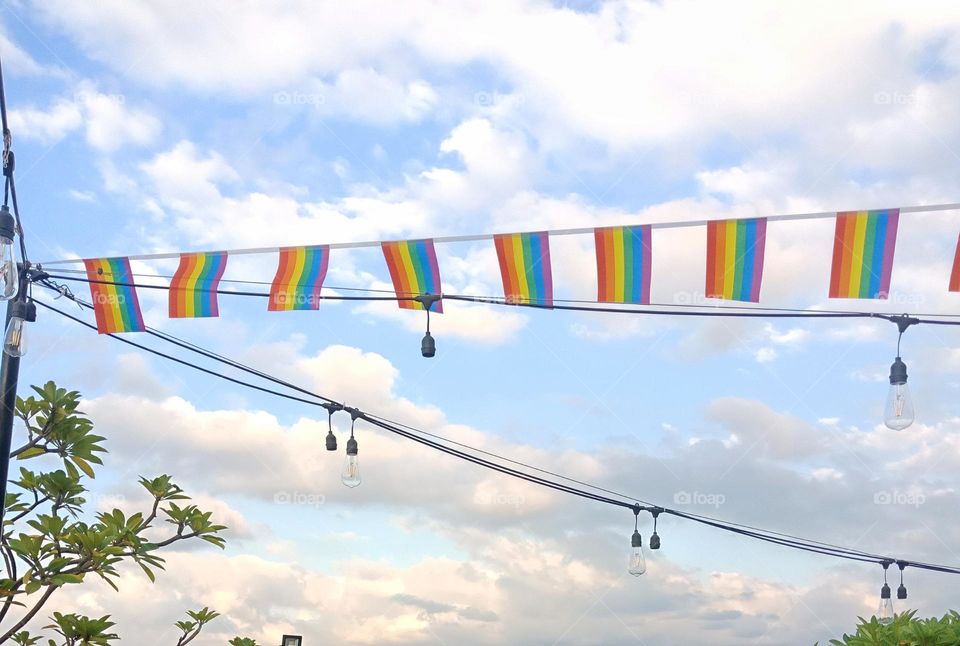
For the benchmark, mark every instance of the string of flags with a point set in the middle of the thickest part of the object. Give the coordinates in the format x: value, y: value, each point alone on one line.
x: 862, y: 265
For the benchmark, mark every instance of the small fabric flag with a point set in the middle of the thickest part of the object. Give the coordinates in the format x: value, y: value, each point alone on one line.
x: 955, y: 275
x: 115, y: 305
x: 299, y: 278
x: 193, y: 290
x: 863, y: 248
x: 735, y: 251
x: 525, y: 267
x: 414, y: 271
x: 623, y: 264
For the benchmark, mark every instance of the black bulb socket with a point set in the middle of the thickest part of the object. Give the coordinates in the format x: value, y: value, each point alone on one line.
x: 8, y: 226
x: 898, y: 372
x: 428, y: 347
x: 885, y: 591
x: 636, y: 540
x: 352, y: 446
x: 331, y: 441
x: 654, y: 541
x: 902, y: 592
x: 24, y: 310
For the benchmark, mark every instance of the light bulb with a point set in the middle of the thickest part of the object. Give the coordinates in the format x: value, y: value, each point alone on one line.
x: 885, y: 611
x: 898, y: 413
x: 638, y: 564
x: 351, y: 467
x: 14, y: 342
x: 9, y: 279
x: 21, y: 312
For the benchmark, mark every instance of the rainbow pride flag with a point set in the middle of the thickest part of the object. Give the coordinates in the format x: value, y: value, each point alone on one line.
x: 414, y: 271
x: 735, y: 251
x: 193, y: 290
x: 299, y: 278
x: 863, y: 248
x: 623, y: 264
x: 525, y: 267
x: 116, y: 307
x: 955, y: 275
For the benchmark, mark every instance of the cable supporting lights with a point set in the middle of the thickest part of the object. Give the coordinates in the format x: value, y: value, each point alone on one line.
x: 898, y: 412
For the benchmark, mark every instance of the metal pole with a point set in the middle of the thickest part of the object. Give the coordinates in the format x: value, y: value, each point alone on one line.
x: 9, y: 374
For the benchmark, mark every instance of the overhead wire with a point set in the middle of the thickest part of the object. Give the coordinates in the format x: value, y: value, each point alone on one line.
x: 926, y: 208
x: 412, y: 434
x: 708, y: 311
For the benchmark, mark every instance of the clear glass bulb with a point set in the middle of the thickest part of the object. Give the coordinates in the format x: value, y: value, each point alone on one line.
x: 885, y: 611
x: 351, y: 471
x: 14, y: 341
x: 638, y: 564
x: 9, y: 279
x: 898, y: 414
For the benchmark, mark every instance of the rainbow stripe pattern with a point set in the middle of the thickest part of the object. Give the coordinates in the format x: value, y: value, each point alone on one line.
x: 863, y: 249
x: 414, y: 270
x: 193, y: 290
x: 116, y: 307
x: 735, y: 251
x: 955, y: 274
x: 299, y: 279
x: 525, y: 267
x: 623, y: 264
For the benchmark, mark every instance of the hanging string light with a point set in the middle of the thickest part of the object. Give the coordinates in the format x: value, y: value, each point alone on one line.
x: 331, y: 438
x: 898, y: 413
x: 637, y: 564
x: 428, y: 347
x: 655, y: 538
x: 885, y: 610
x: 9, y: 279
x: 350, y: 476
x: 902, y: 590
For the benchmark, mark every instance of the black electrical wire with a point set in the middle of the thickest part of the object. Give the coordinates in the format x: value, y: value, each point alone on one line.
x: 245, y: 368
x: 227, y: 291
x: 703, y: 311
x: 718, y: 305
x: 801, y: 544
x: 176, y: 360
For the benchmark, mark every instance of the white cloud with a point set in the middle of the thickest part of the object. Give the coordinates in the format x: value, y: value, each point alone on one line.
x: 106, y: 119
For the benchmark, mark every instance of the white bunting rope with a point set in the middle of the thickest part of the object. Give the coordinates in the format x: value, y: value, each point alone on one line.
x: 821, y: 215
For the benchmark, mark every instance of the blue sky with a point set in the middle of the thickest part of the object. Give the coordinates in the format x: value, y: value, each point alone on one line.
x: 142, y: 128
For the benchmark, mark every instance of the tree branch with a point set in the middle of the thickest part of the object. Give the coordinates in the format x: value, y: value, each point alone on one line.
x: 30, y: 615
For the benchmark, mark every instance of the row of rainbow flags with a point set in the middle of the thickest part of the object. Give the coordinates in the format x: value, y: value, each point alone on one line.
x: 864, y: 245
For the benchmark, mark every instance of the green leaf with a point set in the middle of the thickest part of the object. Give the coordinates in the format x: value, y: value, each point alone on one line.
x: 32, y: 452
